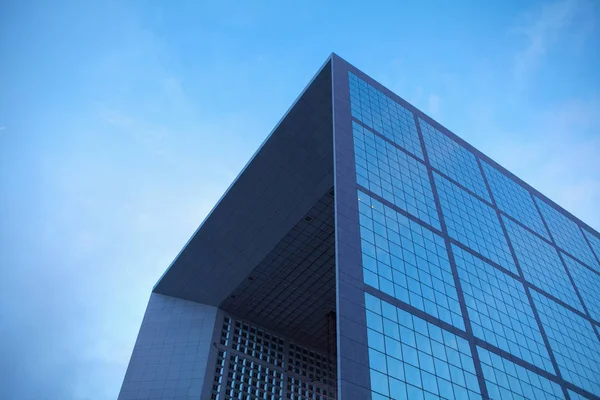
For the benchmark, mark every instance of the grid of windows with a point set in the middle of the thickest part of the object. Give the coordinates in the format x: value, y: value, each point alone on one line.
x: 567, y: 234
x: 384, y: 115
x: 310, y: 365
x: 251, y: 364
x: 411, y: 358
x: 407, y: 261
x: 588, y: 284
x: 257, y: 343
x: 514, y: 199
x: 393, y: 175
x: 473, y: 223
x: 218, y: 378
x: 250, y: 379
x: 499, y: 310
x: 595, y: 244
x: 573, y: 342
x: 541, y: 264
x: 453, y: 160
x: 507, y: 380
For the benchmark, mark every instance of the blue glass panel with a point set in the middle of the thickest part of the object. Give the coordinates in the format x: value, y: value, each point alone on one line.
x: 507, y: 380
x: 576, y: 396
x: 514, y: 199
x: 407, y: 261
x: 541, y: 264
x: 567, y: 234
x: 426, y: 361
x: 500, y: 311
x: 588, y: 284
x: 453, y: 160
x: 473, y: 223
x: 390, y: 173
x: 573, y: 342
x: 384, y: 115
x: 594, y: 241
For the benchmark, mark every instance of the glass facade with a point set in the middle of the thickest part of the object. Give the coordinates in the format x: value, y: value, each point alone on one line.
x: 475, y: 285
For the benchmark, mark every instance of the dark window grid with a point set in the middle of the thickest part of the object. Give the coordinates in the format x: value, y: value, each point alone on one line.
x: 567, y: 234
x: 394, y: 176
x: 248, y: 374
x: 409, y: 357
x: 499, y: 310
x: 407, y: 261
x: 588, y: 285
x: 574, y: 344
x: 507, y: 380
x: 453, y: 160
x: 473, y: 223
x: 542, y: 265
x: 514, y: 199
x: 478, y: 342
x: 383, y: 114
x: 475, y: 253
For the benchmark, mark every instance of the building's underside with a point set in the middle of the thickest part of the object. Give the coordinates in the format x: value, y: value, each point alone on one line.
x: 265, y: 255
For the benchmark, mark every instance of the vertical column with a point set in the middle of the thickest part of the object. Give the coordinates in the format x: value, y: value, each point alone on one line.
x: 353, y: 354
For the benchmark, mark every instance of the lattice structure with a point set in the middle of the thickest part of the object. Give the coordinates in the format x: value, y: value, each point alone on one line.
x: 256, y: 364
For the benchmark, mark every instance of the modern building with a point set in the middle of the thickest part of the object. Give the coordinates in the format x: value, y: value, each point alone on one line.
x: 366, y: 252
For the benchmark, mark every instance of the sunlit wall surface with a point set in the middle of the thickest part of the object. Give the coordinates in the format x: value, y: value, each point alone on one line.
x: 476, y: 286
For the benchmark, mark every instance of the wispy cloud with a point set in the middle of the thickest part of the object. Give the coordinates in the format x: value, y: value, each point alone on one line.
x: 542, y: 28
x: 433, y: 103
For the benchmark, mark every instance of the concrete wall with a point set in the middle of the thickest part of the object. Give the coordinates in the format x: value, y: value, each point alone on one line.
x: 170, y: 356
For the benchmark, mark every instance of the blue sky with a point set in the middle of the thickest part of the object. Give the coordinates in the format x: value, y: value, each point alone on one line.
x: 122, y: 123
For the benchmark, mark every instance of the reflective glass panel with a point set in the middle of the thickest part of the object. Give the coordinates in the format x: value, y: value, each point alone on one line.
x: 576, y: 396
x: 418, y: 359
x: 541, y: 264
x: 573, y: 342
x: 384, y: 115
x: 500, y: 311
x: 514, y: 199
x: 407, y: 261
x: 453, y: 160
x: 567, y: 234
x: 507, y: 380
x: 473, y: 223
x: 588, y: 284
x: 594, y: 241
x: 393, y: 175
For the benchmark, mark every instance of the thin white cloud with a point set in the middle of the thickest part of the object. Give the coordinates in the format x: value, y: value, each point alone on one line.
x: 433, y: 103
x: 542, y: 28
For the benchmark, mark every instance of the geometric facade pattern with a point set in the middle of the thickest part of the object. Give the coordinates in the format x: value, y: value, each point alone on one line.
x: 453, y: 278
x: 524, y: 270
